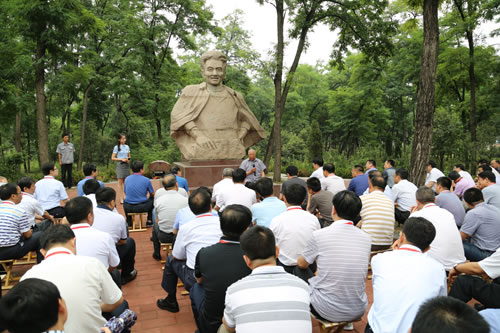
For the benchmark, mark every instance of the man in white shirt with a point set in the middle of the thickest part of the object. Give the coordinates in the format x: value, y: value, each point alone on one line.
x: 377, y: 215
x: 166, y: 208
x: 293, y: 228
x: 90, y: 241
x: 51, y: 192
x: 237, y: 194
x: 342, y: 253
x: 331, y: 182
x: 460, y: 168
x: 40, y: 218
x: 447, y: 247
x: 318, y: 168
x: 405, y: 278
x: 433, y: 174
x: 108, y: 220
x: 203, y: 231
x: 486, y: 182
x: 403, y: 195
x: 227, y: 181
x: 83, y: 282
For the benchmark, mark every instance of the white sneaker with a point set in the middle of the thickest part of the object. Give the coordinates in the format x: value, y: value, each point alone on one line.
x: 349, y: 327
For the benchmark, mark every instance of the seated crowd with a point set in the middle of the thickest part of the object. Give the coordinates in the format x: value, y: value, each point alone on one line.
x: 253, y: 261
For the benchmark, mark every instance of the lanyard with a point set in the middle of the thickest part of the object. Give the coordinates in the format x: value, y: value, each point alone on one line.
x: 408, y: 249
x: 80, y: 227
x: 48, y: 177
x: 8, y: 202
x: 349, y: 223
x: 430, y: 205
x: 57, y: 252
x: 294, y: 208
x: 204, y: 215
x: 89, y: 177
x: 222, y: 241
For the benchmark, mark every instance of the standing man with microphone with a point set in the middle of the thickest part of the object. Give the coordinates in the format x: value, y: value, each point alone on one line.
x: 65, y: 151
x: 253, y: 167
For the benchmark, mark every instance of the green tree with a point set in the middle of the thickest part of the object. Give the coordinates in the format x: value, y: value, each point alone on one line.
x: 315, y: 144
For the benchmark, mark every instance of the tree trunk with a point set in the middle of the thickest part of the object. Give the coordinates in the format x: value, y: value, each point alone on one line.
x: 269, y: 149
x: 422, y: 140
x: 157, y: 117
x: 84, y: 124
x: 472, y: 115
x: 41, y: 112
x: 17, y: 136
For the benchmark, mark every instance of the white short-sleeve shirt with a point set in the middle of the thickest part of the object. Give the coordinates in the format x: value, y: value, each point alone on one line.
x: 221, y: 186
x: 433, y: 177
x: 166, y: 208
x: 31, y: 206
x: 49, y: 192
x: 333, y: 184
x: 84, y: 283
x: 236, y: 194
x: 110, y: 222
x: 447, y: 247
x: 94, y: 243
x: 318, y: 173
x: 292, y: 230
x: 403, y: 193
x: 491, y: 265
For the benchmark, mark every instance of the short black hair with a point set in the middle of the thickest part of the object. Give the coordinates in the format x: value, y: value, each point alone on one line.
x: 485, y: 167
x: 25, y: 182
x: 402, y: 173
x: 64, y: 134
x: 7, y: 190
x: 239, y: 175
x: 258, y: 242
x: 359, y: 167
x: 488, y: 175
x: 347, y: 205
x: 77, y: 209
x: 169, y: 181
x: 425, y: 195
x: 104, y: 195
x: 329, y: 167
x: 314, y: 184
x: 199, y: 201
x: 460, y: 166
x: 54, y: 235
x: 91, y: 186
x: 175, y: 169
x: 318, y: 160
x: 482, y: 161
x: 445, y: 314
x: 419, y: 232
x: 372, y: 162
x: 473, y: 195
x: 292, y: 170
x: 31, y: 306
x: 295, y: 194
x: 89, y: 168
x: 432, y: 163
x: 137, y: 166
x: 378, y: 182
x: 453, y: 175
x: 374, y: 173
x: 445, y: 182
x: 391, y: 162
x: 264, y: 186
x: 47, y: 168
x: 234, y: 220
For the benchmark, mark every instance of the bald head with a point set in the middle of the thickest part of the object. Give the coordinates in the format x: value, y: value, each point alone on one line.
x: 169, y: 181
x: 252, y: 154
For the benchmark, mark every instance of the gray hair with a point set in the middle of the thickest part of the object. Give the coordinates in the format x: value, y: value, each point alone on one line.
x: 215, y: 55
x: 425, y: 195
x: 227, y: 172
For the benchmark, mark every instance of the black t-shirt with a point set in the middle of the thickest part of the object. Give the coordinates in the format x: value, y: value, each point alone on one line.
x: 220, y: 265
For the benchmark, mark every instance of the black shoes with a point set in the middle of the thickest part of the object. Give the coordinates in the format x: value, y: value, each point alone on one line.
x: 130, y: 277
x: 165, y: 304
x: 149, y: 224
x: 156, y: 257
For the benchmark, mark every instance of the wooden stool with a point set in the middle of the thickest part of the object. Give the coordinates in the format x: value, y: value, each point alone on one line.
x: 372, y: 253
x: 28, y: 259
x: 7, y: 266
x: 167, y: 247
x: 141, y: 220
x: 329, y: 327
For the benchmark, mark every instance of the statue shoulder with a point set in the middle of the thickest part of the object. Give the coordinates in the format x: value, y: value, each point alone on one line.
x: 193, y: 89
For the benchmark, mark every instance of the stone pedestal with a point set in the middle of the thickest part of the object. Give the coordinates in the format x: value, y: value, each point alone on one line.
x: 205, y: 173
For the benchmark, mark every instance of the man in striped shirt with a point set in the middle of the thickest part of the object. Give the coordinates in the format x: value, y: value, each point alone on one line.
x: 341, y: 252
x: 269, y: 299
x: 377, y: 215
x: 16, y: 236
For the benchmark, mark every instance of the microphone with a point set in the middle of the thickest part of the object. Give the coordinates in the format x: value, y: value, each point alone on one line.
x: 254, y: 173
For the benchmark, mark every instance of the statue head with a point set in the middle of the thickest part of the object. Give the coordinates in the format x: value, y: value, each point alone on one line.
x: 213, y: 67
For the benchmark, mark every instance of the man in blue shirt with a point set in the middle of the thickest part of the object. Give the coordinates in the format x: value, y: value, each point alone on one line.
x: 181, y: 181
x: 90, y: 172
x: 269, y: 206
x: 137, y: 188
x: 359, y: 181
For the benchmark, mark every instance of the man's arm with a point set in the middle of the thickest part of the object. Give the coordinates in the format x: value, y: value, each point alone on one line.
x: 27, y: 234
x: 430, y: 184
x: 464, y: 235
x: 111, y: 307
x: 302, y: 263
x: 121, y: 242
x: 229, y: 329
x: 470, y: 268
x: 60, y: 158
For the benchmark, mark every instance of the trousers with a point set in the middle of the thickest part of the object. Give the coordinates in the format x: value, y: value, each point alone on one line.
x: 467, y: 287
x: 160, y: 237
x: 175, y: 269
x: 66, y: 174
x: 473, y: 253
x: 22, y: 248
x: 126, y: 252
x: 142, y: 207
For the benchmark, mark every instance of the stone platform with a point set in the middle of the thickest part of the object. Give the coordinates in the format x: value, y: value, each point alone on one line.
x: 205, y: 173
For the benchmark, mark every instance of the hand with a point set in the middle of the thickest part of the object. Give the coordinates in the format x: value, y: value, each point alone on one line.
x: 105, y: 330
x: 125, y: 160
x: 253, y: 170
x: 60, y: 163
x: 396, y: 245
x: 205, y: 142
x: 52, y: 218
x: 413, y: 209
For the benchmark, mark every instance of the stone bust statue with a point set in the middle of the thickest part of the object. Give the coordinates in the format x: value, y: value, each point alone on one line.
x: 211, y: 121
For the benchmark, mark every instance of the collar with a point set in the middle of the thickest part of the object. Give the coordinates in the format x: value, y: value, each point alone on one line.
x: 225, y: 240
x: 271, y: 198
x: 409, y: 247
x: 27, y: 194
x: 268, y: 270
x: 55, y: 251
x: 48, y: 177
x: 331, y: 175
x: 80, y: 226
x: 104, y: 207
x: 429, y: 205
x: 137, y: 173
x: 459, y: 179
x: 294, y: 208
x: 379, y: 191
x: 53, y: 331
x: 89, y: 177
x: 445, y: 191
x: 207, y: 214
x: 343, y: 222
x: 8, y: 202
